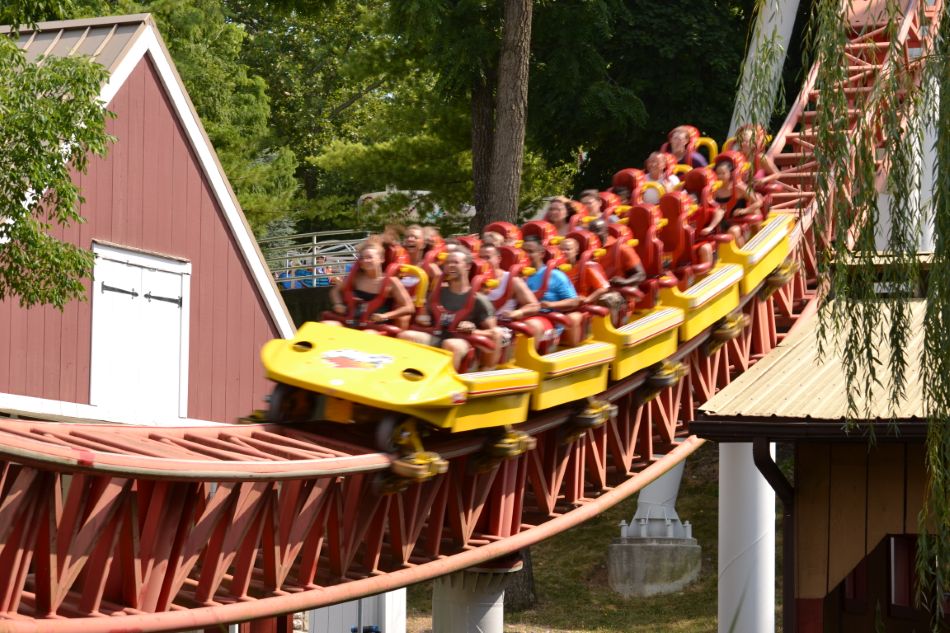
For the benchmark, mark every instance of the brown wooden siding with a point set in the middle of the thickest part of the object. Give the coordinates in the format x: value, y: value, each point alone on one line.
x: 839, y: 615
x: 150, y: 193
x: 847, y: 498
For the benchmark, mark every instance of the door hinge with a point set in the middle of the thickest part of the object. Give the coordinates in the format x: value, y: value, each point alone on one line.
x: 106, y: 286
x: 175, y: 300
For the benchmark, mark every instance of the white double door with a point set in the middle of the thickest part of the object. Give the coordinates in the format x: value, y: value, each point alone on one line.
x: 139, y: 362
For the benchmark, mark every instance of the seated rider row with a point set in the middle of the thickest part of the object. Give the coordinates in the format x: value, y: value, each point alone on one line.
x: 591, y: 265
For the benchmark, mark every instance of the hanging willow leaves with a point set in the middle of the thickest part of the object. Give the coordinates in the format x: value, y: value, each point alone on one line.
x: 868, y: 187
x: 933, y: 550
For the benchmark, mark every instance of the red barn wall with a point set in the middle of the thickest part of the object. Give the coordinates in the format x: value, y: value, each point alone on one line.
x: 150, y: 193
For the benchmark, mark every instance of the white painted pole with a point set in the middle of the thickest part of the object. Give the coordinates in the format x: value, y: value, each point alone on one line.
x: 746, y: 543
x: 468, y: 601
x: 394, y: 607
x: 775, y: 16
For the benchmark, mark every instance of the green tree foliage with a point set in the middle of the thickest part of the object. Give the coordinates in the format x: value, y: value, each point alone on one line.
x: 27, y: 12
x: 462, y: 44
x: 232, y: 101
x: 230, y: 98
x: 360, y: 103
x: 681, y: 60
x: 50, y: 119
x: 580, y: 95
x: 331, y: 82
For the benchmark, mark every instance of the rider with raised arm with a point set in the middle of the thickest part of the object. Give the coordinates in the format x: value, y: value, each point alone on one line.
x: 453, y: 297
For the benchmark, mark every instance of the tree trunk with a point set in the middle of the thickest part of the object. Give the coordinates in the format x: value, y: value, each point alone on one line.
x: 510, y: 113
x: 519, y: 590
x: 483, y: 129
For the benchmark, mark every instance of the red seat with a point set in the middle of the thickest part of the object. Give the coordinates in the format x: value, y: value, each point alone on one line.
x: 621, y: 238
x: 394, y: 254
x: 433, y: 255
x: 541, y: 229
x: 509, y: 231
x: 586, y: 270
x: 631, y: 179
x: 579, y: 216
x: 609, y: 202
x: 679, y: 246
x: 472, y: 242
x: 644, y: 226
x: 512, y: 257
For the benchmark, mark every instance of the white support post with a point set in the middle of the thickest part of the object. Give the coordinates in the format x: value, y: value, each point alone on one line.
x: 746, y: 543
x: 775, y: 16
x: 469, y: 601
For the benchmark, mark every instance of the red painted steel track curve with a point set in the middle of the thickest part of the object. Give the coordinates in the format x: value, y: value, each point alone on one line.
x: 154, y: 529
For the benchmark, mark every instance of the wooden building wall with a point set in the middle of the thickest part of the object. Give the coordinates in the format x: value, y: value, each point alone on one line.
x: 848, y: 497
x: 869, y: 606
x: 150, y: 193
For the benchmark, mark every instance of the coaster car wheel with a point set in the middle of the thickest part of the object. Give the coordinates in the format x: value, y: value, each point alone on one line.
x: 730, y: 327
x: 419, y: 466
x: 509, y: 444
x: 384, y: 435
x: 595, y: 414
x: 779, y: 277
x: 666, y: 374
x: 290, y: 404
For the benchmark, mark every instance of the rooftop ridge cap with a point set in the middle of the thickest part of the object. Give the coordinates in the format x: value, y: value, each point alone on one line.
x: 83, y: 22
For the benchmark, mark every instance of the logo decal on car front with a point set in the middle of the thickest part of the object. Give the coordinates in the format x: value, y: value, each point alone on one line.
x: 355, y: 359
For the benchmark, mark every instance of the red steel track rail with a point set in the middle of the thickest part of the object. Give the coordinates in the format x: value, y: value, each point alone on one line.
x: 106, y: 528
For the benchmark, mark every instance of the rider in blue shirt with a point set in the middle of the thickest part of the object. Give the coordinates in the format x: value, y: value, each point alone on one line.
x: 560, y: 294
x: 559, y: 286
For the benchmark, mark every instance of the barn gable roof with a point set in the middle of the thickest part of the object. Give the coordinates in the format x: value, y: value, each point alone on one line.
x: 119, y: 43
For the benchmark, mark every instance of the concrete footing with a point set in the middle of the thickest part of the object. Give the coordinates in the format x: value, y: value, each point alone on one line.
x: 640, y: 567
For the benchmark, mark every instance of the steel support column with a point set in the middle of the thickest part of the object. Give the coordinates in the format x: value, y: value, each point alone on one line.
x: 746, y: 543
x: 776, y: 20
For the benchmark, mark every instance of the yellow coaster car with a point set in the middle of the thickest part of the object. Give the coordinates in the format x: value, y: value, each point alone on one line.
x: 715, y: 295
x: 566, y: 375
x: 350, y: 376
x: 763, y: 253
x: 648, y: 339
